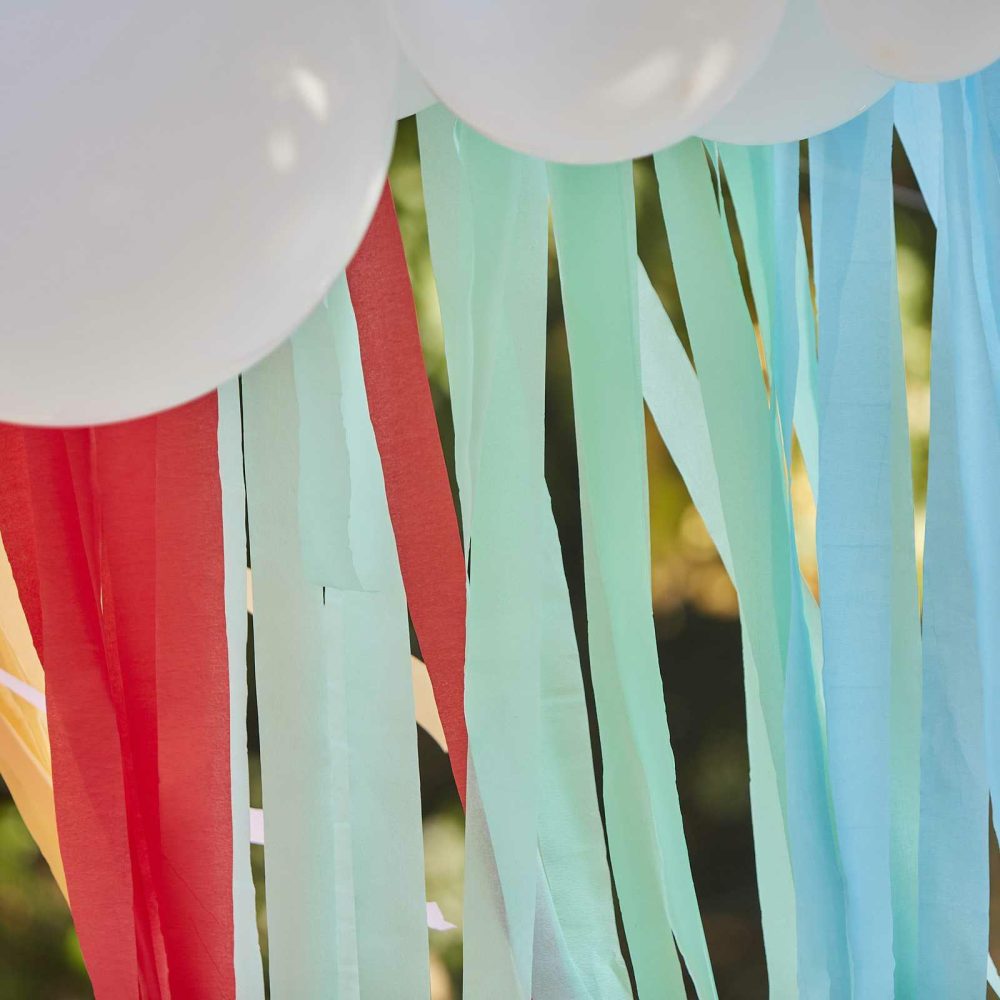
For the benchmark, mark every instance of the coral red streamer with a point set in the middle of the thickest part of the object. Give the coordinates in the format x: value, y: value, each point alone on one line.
x: 416, y: 479
x: 40, y: 504
x: 116, y: 534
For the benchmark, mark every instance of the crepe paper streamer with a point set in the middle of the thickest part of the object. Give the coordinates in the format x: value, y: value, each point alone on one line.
x: 992, y: 976
x: 917, y: 117
x: 246, y: 945
x: 764, y: 183
x: 774, y: 608
x: 385, y: 814
x: 324, y: 473
x: 984, y: 192
x: 593, y: 214
x: 503, y: 627
x: 305, y: 873
x: 963, y: 465
x: 87, y: 770
x: 416, y: 479
x: 484, y: 206
x: 871, y: 650
x: 853, y: 220
x: 425, y: 707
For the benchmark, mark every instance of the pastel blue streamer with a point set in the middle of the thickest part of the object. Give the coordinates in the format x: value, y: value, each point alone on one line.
x: 962, y: 486
x: 859, y: 353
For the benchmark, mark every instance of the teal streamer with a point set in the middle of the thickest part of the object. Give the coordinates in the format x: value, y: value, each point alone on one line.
x: 953, y: 851
x: 594, y: 220
x: 476, y: 212
x: 870, y: 637
x: 246, y: 946
x: 774, y: 607
x: 806, y: 417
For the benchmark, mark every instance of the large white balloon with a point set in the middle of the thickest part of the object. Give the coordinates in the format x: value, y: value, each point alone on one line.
x: 179, y: 185
x: 920, y: 40
x: 412, y: 94
x: 587, y: 81
x: 808, y: 83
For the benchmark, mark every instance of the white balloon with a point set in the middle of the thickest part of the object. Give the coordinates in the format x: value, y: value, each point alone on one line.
x: 412, y: 93
x: 586, y: 82
x: 925, y: 41
x: 179, y: 185
x: 809, y: 83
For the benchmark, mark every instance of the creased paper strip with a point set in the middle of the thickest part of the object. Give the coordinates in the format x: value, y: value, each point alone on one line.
x: 246, y: 946
x: 860, y: 333
x: 593, y: 213
x: 953, y: 852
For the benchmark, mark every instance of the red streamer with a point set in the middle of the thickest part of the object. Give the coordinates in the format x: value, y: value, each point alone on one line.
x: 115, y: 539
x: 416, y: 479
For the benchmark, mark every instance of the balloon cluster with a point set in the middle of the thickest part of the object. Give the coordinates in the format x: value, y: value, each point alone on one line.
x: 179, y: 188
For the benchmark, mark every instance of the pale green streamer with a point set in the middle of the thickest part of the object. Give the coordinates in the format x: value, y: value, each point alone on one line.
x: 246, y: 946
x: 302, y: 760
x: 367, y: 650
x: 777, y: 613
x: 484, y: 206
x: 594, y: 219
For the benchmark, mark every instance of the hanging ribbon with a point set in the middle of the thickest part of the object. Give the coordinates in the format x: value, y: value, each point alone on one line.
x: 246, y: 946
x: 487, y: 225
x: 339, y: 459
x: 774, y: 606
x: 593, y: 215
x: 960, y: 549
x: 416, y: 480
x: 55, y: 582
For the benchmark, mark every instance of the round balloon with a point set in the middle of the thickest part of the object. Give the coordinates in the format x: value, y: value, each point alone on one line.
x: 179, y: 187
x: 586, y: 82
x: 412, y: 94
x: 925, y: 41
x: 808, y: 83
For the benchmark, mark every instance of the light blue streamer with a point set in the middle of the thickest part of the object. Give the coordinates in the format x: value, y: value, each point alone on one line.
x: 954, y: 877
x: 860, y: 352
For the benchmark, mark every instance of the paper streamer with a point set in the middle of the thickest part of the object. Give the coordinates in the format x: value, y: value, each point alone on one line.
x: 773, y: 603
x: 593, y: 216
x: 964, y: 455
x: 862, y: 400
x: 246, y: 946
x: 387, y: 844
x: 55, y: 583
x: 416, y: 480
x: 487, y: 205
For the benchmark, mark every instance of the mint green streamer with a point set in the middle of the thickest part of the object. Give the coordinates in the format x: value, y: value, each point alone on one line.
x: 368, y: 652
x: 594, y: 219
x: 301, y: 762
x: 483, y: 206
x: 674, y: 399
x: 778, y: 617
x: 345, y: 894
x: 246, y: 945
